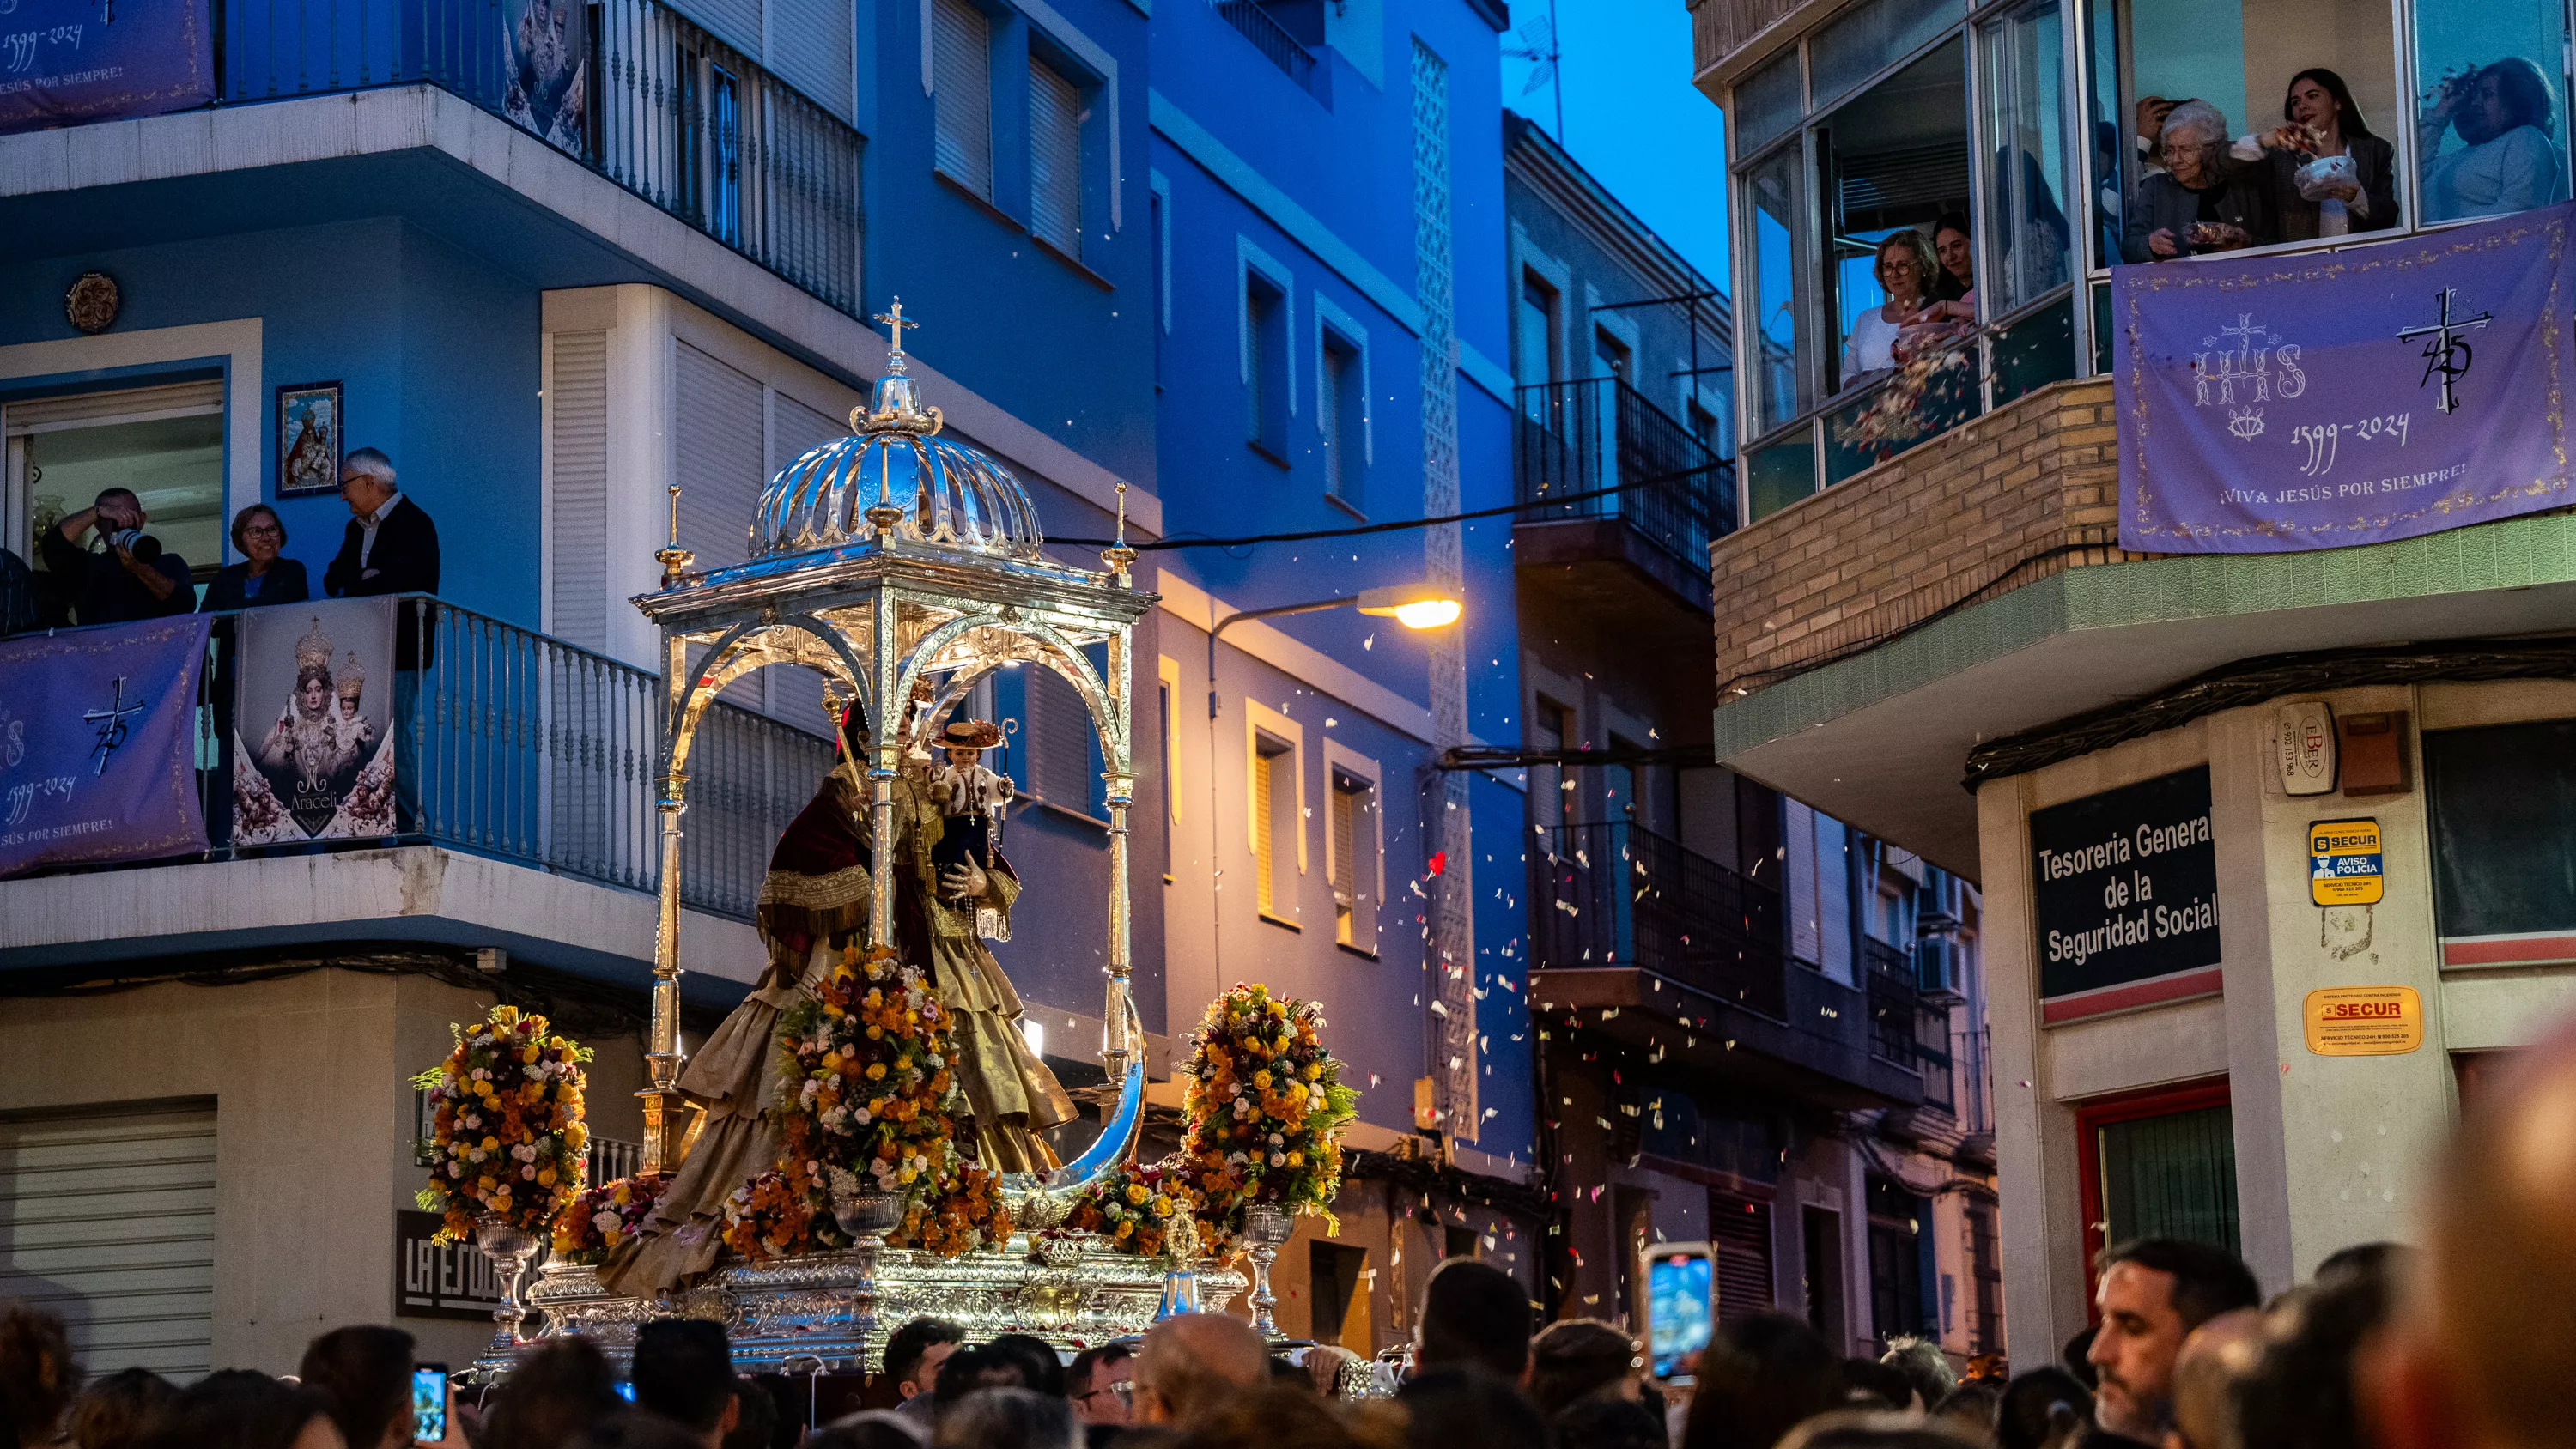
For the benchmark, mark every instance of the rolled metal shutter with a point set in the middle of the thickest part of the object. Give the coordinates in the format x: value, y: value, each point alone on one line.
x: 108, y: 1220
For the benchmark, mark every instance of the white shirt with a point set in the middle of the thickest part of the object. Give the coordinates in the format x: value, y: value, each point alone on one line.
x: 1871, y: 346
x: 2516, y: 171
x: 367, y: 540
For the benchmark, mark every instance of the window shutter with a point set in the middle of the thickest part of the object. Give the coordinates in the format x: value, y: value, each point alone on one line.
x: 961, y: 41
x: 579, y: 507
x: 721, y: 436
x: 810, y: 47
x: 110, y: 1221
x: 734, y: 22
x: 1328, y: 411
x: 1265, y: 823
x: 1059, y: 729
x: 1346, y: 809
x: 795, y: 429
x: 1055, y: 159
x: 1740, y: 1231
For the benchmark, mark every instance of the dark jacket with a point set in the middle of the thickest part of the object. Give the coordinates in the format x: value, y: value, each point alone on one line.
x: 2164, y: 204
x: 102, y: 592
x: 19, y: 611
x: 2374, y: 162
x: 405, y: 560
x: 284, y: 583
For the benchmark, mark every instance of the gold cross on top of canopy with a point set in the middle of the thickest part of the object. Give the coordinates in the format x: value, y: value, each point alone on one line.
x: 895, y: 322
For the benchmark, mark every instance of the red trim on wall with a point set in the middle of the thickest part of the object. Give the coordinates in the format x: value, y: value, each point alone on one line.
x: 2155, y: 991
x: 2094, y: 1114
x: 2544, y: 949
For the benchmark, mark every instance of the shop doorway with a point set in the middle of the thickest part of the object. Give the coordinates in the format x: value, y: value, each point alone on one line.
x: 2158, y: 1164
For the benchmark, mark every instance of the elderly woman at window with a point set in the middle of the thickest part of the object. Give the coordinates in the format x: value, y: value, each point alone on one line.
x: 2203, y: 201
x: 1885, y: 337
x: 2506, y: 161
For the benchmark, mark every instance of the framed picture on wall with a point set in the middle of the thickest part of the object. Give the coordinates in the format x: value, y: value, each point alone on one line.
x: 308, y: 439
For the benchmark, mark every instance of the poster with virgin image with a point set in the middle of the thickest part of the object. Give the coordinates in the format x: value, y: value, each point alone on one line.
x: 313, y: 751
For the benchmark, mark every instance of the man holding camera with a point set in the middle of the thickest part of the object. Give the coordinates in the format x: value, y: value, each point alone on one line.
x: 125, y: 575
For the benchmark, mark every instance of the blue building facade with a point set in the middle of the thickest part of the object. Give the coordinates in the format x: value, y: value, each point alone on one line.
x: 1243, y: 260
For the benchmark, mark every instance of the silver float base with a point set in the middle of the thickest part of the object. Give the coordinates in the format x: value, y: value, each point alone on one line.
x: 795, y: 1315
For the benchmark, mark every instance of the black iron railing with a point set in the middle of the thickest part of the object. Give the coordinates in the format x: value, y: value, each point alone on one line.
x: 652, y: 101
x: 1904, y: 1027
x: 1616, y: 894
x: 1592, y: 434
x: 515, y: 744
x: 1271, y: 38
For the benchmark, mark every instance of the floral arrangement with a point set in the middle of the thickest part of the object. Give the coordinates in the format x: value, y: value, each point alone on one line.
x: 784, y: 1210
x: 868, y: 1100
x: 1262, y: 1124
x: 1141, y: 1207
x: 508, y: 1134
x: 604, y: 1216
x: 1265, y: 1107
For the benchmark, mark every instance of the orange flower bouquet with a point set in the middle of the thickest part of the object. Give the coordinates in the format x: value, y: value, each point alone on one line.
x: 1140, y: 1207
x: 508, y: 1136
x: 1265, y: 1109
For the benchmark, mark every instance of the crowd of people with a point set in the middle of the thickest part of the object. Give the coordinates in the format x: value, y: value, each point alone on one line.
x: 103, y: 565
x: 2459, y: 1344
x: 2323, y: 173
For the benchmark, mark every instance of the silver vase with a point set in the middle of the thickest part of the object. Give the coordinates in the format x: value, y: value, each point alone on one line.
x: 510, y: 1248
x: 867, y: 1217
x: 1265, y: 1227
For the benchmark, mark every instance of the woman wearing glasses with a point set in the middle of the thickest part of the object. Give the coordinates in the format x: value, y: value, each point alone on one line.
x: 262, y: 577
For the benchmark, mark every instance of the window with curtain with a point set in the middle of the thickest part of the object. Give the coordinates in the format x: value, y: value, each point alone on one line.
x: 961, y: 71
x: 2172, y: 1176
x: 1055, y: 158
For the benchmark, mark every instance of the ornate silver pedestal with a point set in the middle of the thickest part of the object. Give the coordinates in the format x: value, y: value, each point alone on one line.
x: 510, y: 1250
x: 1265, y: 1227
x: 795, y: 1309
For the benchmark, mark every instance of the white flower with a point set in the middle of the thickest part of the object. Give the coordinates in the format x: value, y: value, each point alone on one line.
x: 455, y: 1169
x: 528, y: 1173
x: 604, y: 1219
x: 1278, y: 1159
x: 860, y: 1115
x: 1277, y: 1141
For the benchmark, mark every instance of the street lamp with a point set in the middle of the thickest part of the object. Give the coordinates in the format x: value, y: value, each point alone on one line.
x: 1416, y: 606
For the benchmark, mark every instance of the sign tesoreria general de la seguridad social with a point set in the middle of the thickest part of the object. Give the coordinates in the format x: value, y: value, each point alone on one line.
x: 2124, y: 891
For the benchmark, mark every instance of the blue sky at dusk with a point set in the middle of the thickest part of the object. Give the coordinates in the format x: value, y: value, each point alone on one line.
x: 1632, y: 116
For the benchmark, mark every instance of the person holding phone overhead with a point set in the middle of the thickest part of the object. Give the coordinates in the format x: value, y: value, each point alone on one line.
x: 379, y: 1396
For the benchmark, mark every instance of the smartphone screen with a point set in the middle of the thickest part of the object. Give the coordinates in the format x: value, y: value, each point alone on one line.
x: 429, y: 1402
x: 626, y: 1390
x: 1681, y: 1306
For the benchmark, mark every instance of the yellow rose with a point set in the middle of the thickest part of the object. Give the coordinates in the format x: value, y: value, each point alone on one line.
x: 1126, y: 1227
x: 546, y: 1175
x: 1136, y: 1192
x: 1296, y: 1159
x: 576, y: 1136
x: 530, y: 1053
x: 491, y: 1144
x: 876, y: 1071
x: 1261, y: 1079
x: 1162, y: 1207
x: 1315, y: 1073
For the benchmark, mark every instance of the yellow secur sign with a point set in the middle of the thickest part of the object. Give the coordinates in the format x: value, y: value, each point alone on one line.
x: 2365, y: 1021
x: 2344, y: 863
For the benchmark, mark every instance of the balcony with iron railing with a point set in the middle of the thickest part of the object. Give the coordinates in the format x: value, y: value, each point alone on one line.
x: 1614, y: 893
x: 1254, y: 21
x: 1905, y: 1027
x: 1683, y: 959
x: 1617, y: 494
x: 518, y: 747
x: 646, y: 98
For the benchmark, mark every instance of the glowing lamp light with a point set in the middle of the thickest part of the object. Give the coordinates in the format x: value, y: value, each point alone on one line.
x: 1415, y: 606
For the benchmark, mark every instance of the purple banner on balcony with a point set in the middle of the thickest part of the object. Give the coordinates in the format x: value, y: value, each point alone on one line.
x: 65, y: 62
x: 2318, y: 401
x: 98, y: 745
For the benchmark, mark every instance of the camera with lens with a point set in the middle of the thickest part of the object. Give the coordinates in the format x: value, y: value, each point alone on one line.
x: 135, y: 541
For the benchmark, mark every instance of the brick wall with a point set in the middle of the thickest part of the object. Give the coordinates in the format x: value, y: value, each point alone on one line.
x: 2026, y: 491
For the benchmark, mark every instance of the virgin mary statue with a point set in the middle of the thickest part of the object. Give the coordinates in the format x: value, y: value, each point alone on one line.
x: 813, y: 906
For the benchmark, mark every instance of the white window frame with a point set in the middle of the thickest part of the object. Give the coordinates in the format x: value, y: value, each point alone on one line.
x: 1258, y: 720
x: 1249, y: 260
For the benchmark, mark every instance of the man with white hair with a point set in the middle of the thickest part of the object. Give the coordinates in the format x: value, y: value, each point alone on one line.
x: 2203, y: 201
x: 390, y: 547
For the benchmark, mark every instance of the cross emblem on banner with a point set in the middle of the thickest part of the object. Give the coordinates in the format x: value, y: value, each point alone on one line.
x: 110, y: 724
x: 2445, y: 350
